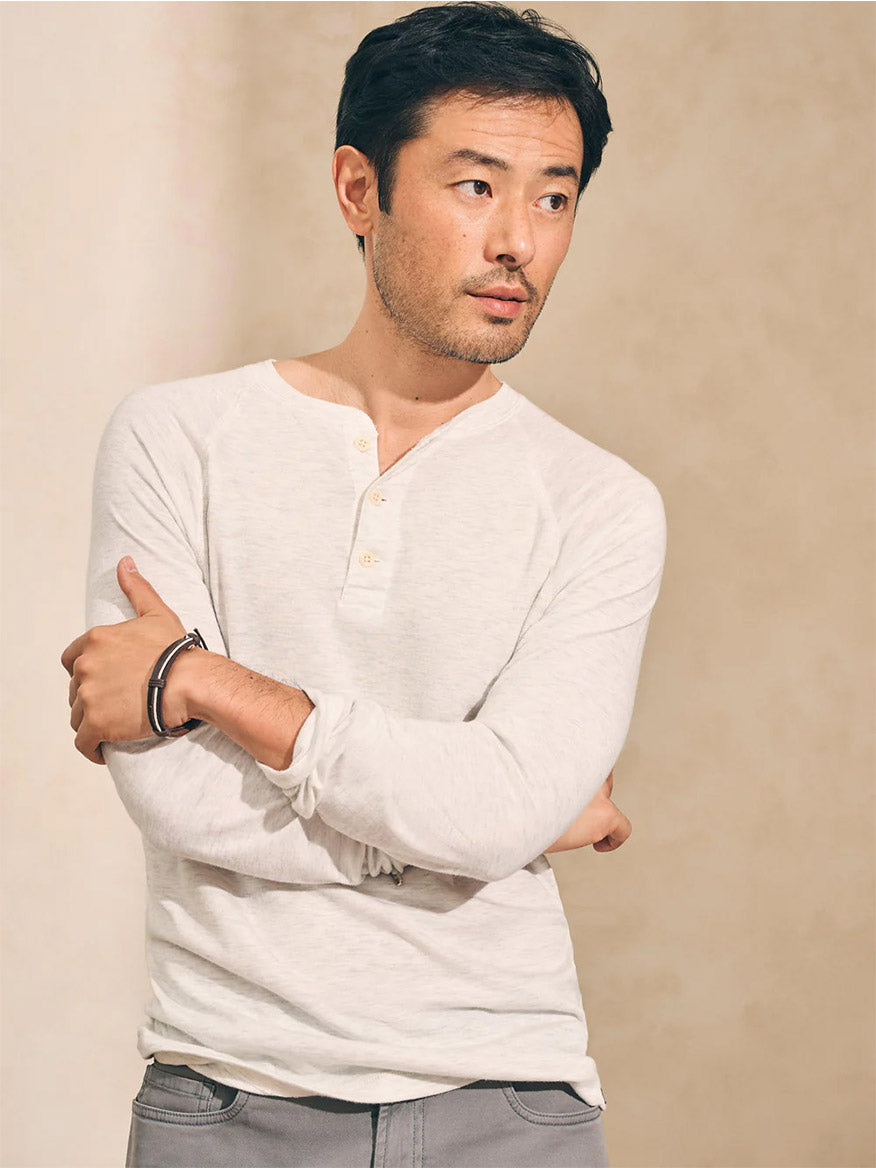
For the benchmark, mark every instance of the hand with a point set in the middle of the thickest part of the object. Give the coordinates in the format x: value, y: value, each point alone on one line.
x: 601, y: 823
x: 110, y: 666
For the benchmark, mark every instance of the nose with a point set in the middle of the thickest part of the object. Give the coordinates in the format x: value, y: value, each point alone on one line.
x: 510, y: 240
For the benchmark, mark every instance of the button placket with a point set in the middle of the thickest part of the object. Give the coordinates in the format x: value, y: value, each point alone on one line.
x: 371, y: 535
x: 362, y: 451
x: 365, y: 581
x: 365, y: 447
x: 376, y: 516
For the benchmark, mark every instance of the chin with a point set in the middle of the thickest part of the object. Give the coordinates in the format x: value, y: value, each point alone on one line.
x: 503, y: 343
x: 492, y: 352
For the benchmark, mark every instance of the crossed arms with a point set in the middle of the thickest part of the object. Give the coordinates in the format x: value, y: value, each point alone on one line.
x: 302, y: 786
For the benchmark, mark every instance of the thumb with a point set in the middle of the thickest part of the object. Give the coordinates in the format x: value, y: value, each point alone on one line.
x: 137, y: 588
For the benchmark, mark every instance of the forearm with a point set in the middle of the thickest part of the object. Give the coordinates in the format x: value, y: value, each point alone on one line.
x: 203, y: 798
x: 479, y: 798
x: 264, y: 717
x: 261, y: 715
x: 451, y: 797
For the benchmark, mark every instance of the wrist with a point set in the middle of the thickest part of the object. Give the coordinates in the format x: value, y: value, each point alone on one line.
x: 184, y: 690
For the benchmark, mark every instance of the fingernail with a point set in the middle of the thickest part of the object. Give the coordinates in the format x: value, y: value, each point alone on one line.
x: 128, y: 564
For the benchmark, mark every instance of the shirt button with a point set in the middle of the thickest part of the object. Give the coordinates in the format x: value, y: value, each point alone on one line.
x: 376, y: 497
x: 366, y: 559
x: 362, y: 443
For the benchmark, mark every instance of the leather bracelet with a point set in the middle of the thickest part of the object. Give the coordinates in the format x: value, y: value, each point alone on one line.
x: 156, y: 686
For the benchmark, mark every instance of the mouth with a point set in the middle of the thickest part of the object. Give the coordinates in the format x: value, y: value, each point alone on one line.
x: 498, y: 292
x: 502, y: 302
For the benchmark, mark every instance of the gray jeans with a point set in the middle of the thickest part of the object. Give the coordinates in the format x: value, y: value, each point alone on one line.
x: 182, y: 1119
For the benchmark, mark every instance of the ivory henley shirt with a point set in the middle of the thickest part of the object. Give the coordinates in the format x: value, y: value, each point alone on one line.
x: 378, y: 921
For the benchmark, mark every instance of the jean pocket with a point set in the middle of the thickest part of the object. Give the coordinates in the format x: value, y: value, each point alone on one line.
x: 174, y: 1094
x: 549, y: 1103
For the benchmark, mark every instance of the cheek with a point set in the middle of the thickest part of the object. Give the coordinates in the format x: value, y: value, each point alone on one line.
x: 554, y: 252
x: 566, y: 241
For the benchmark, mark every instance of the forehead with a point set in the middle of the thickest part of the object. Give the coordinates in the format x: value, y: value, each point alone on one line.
x: 520, y: 129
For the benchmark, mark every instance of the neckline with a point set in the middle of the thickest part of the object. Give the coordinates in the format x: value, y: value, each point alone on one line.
x: 485, y: 412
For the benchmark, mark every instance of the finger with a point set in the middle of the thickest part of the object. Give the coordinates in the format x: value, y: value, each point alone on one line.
x: 620, y: 832
x: 72, y: 652
x: 87, y: 745
x: 73, y: 689
x: 77, y: 713
x: 137, y: 588
x: 609, y: 844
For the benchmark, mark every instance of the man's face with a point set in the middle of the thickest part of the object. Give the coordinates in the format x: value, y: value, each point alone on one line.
x: 483, y: 202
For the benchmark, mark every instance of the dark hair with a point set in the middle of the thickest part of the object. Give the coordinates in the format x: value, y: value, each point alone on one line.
x: 486, y: 49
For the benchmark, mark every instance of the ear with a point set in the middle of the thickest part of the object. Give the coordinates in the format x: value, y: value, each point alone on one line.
x: 356, y: 188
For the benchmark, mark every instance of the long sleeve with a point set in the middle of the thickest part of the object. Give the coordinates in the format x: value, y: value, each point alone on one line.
x: 200, y: 796
x: 483, y: 797
x: 469, y: 623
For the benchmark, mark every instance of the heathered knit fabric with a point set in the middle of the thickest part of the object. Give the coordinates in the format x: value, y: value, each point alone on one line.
x: 470, y: 627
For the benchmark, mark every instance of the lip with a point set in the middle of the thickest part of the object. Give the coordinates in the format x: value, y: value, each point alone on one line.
x: 495, y: 302
x: 499, y: 292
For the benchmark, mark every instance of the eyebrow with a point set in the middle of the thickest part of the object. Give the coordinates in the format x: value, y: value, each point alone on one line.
x: 475, y: 156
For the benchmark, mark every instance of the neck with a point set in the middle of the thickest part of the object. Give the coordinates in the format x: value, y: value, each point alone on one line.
x: 404, y: 387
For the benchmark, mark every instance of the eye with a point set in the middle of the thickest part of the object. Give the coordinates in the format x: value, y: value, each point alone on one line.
x: 479, y: 187
x: 557, y: 202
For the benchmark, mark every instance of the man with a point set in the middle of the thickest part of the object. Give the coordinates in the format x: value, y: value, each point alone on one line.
x: 424, y: 603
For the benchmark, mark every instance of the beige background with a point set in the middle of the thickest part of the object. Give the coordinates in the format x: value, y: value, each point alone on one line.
x: 168, y: 211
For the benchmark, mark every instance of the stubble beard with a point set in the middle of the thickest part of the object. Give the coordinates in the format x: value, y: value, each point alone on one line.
x: 416, y: 321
